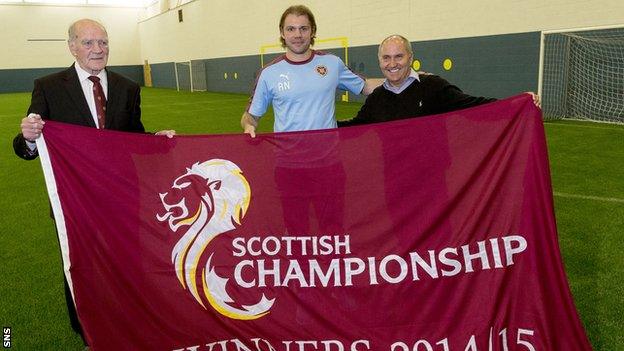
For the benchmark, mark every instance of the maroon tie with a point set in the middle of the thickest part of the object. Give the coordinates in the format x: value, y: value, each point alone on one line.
x: 100, y: 101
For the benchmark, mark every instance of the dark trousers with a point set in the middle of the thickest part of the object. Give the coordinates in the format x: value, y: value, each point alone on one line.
x: 71, y: 311
x: 71, y: 308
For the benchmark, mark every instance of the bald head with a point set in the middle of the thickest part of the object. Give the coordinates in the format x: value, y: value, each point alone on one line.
x: 397, y: 39
x: 74, y: 28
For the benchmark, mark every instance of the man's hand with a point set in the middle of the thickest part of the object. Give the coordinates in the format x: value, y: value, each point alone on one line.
x: 249, y: 124
x: 32, y: 125
x: 536, y: 99
x: 168, y: 132
x: 251, y: 130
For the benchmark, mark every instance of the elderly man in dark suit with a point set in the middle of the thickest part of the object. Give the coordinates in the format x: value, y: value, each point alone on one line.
x: 85, y: 94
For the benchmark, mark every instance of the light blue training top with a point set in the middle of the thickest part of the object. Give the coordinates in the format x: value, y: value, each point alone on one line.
x: 303, y: 93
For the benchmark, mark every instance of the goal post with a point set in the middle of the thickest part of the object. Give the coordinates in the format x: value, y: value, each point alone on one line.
x: 340, y: 46
x: 182, y: 75
x: 190, y: 75
x: 582, y: 74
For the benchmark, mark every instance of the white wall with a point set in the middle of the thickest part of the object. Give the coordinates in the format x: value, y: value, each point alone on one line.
x: 222, y: 28
x: 210, y: 29
x: 18, y: 23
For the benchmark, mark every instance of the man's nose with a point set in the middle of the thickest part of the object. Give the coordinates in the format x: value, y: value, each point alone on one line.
x: 98, y: 46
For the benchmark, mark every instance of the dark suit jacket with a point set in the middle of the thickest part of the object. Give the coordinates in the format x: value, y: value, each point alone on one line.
x: 59, y: 97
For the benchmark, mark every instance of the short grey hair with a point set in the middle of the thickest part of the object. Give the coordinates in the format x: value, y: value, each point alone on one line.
x: 406, y: 43
x: 71, y: 31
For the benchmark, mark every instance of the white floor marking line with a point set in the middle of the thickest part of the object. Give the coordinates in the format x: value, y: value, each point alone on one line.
x: 588, y: 197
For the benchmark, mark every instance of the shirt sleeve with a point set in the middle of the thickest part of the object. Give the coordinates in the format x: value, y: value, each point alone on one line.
x: 260, y: 98
x: 347, y: 80
x: 22, y: 148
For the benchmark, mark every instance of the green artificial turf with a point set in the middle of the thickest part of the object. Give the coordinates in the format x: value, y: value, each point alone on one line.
x: 587, y: 166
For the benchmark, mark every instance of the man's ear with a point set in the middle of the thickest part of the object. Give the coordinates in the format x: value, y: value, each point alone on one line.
x: 72, y: 47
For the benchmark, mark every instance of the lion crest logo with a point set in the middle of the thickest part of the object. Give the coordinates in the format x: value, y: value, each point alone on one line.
x: 211, y: 198
x: 322, y: 70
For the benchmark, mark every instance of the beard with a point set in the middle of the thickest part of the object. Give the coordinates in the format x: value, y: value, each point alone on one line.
x: 298, y: 49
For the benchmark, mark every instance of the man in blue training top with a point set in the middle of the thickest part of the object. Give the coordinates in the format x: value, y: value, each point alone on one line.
x: 301, y: 84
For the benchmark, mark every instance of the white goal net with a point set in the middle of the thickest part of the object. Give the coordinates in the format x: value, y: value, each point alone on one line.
x: 583, y: 75
x: 190, y: 75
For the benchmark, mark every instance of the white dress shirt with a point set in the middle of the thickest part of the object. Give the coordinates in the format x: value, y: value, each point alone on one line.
x: 87, y: 88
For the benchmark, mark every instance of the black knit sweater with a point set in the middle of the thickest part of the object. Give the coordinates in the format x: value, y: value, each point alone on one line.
x: 432, y: 95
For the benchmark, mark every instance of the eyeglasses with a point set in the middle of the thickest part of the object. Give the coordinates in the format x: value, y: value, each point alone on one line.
x: 88, y: 44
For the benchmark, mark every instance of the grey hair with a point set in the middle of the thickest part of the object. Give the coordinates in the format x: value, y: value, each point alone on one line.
x: 406, y: 43
x: 71, y: 31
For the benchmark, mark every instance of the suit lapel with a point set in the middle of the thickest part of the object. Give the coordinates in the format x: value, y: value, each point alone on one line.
x: 113, y: 97
x: 74, y: 89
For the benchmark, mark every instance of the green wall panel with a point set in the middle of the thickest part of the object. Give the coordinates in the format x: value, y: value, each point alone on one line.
x: 495, y: 66
x: 163, y: 75
x: 22, y: 80
x: 231, y: 74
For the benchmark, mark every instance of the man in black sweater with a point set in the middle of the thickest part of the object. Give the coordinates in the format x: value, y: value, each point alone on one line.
x: 406, y: 94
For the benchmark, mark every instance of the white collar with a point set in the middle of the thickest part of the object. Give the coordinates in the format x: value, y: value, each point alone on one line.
x: 84, y: 75
x: 406, y: 83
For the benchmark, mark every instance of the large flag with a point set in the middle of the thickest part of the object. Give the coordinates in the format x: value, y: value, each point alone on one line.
x: 434, y: 233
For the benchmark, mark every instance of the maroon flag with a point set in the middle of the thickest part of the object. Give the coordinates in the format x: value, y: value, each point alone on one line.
x: 434, y: 233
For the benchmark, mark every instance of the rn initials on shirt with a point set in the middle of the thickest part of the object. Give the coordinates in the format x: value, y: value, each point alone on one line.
x: 282, y: 86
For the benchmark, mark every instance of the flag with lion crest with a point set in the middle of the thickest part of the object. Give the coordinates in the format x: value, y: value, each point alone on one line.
x: 433, y: 233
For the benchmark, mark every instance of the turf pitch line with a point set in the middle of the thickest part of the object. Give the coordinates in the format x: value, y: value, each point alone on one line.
x: 603, y: 125
x: 588, y: 197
